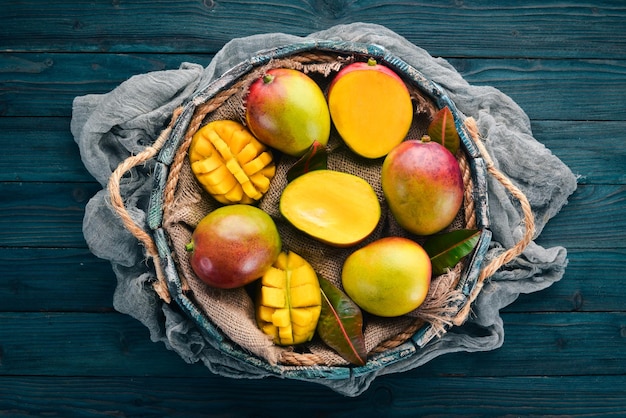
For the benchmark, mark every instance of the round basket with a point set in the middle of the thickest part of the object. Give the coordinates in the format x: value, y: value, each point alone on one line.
x: 226, y: 317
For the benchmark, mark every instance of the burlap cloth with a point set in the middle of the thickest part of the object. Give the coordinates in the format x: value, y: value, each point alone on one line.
x: 110, y: 127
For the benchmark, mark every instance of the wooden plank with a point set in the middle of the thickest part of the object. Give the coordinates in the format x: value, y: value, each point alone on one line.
x: 92, y: 344
x: 42, y: 84
x: 549, y: 89
x: 593, y: 218
x: 41, y: 148
x: 593, y: 150
x: 85, y: 344
x: 55, y: 279
x: 43, y: 214
x: 593, y: 282
x: 50, y: 215
x: 44, y: 148
x: 538, y: 28
x: 397, y: 396
x: 45, y: 84
x: 545, y: 344
x: 38, y: 279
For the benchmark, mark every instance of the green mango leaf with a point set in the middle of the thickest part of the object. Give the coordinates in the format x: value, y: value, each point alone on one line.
x: 447, y: 249
x: 315, y: 158
x: 443, y: 130
x: 340, y: 324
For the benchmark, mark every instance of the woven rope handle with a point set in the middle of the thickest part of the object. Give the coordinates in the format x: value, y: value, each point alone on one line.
x: 160, y: 286
x: 528, y: 222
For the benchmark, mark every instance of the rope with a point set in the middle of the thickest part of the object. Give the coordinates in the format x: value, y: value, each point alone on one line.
x: 160, y: 286
x: 528, y: 221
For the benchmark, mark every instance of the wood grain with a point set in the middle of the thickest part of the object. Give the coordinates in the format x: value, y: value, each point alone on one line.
x: 397, y: 396
x: 65, y: 351
x: 43, y: 214
x: 43, y: 148
x: 45, y: 84
x: 55, y: 279
x: 38, y: 279
x: 460, y: 28
x: 112, y: 344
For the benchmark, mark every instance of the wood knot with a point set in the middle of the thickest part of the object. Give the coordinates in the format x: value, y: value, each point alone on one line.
x: 577, y: 301
x: 333, y: 9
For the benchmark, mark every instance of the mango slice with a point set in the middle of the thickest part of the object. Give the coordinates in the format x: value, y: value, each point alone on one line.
x: 289, y: 300
x: 336, y: 208
x: 230, y: 163
x: 371, y: 108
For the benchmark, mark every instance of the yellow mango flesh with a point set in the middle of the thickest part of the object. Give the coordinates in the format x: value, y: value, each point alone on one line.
x: 230, y: 163
x: 289, y: 300
x: 336, y: 208
x: 371, y: 108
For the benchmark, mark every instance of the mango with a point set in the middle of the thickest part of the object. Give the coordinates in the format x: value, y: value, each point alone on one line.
x: 334, y: 207
x: 234, y: 245
x: 370, y: 107
x: 389, y: 277
x: 289, y: 300
x: 286, y: 110
x: 423, y: 186
x: 230, y: 163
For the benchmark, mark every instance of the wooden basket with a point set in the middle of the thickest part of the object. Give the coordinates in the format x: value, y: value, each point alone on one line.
x: 322, y: 59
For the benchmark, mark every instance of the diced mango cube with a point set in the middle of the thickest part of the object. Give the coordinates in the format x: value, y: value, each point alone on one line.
x: 234, y: 195
x: 272, y: 297
x: 220, y: 187
x: 200, y: 148
x: 270, y: 329
x: 248, y: 153
x: 220, y: 145
x: 281, y: 261
x: 238, y: 140
x: 274, y: 278
x: 265, y: 313
x: 302, y: 275
x: 301, y: 317
x: 260, y: 182
x: 281, y: 317
x: 251, y: 191
x: 284, y: 333
x: 257, y: 164
x: 269, y: 171
x: 236, y: 170
x: 305, y: 295
x: 207, y: 164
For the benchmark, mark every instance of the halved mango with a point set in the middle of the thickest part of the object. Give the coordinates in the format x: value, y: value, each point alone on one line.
x: 336, y: 208
x: 371, y: 108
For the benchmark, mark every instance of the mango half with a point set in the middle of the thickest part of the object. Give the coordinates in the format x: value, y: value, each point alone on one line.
x: 289, y: 300
x: 371, y: 108
x: 230, y: 163
x: 336, y: 208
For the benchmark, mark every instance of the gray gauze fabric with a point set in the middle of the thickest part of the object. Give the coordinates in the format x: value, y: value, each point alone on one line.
x: 110, y: 127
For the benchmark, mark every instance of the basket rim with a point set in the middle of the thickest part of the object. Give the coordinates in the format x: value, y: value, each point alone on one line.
x: 214, y: 336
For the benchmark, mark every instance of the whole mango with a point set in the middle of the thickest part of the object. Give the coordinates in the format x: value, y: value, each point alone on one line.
x: 289, y: 300
x: 233, y: 246
x: 287, y: 110
x: 230, y: 163
x: 423, y: 185
x: 388, y: 277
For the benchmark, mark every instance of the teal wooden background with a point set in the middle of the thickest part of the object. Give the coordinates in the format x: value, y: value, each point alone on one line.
x: 65, y: 352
